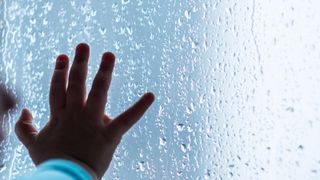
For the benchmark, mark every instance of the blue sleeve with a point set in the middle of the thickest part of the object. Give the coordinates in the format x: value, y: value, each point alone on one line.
x: 58, y: 169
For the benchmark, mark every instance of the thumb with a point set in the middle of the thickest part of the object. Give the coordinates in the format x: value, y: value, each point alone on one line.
x: 24, y: 129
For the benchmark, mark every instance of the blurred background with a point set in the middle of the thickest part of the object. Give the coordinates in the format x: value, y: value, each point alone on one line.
x: 237, y: 83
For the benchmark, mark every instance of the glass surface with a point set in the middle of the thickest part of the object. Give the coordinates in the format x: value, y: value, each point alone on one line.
x: 236, y: 82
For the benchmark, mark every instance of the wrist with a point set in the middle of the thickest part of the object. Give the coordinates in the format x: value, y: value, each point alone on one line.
x: 86, y: 168
x: 79, y: 163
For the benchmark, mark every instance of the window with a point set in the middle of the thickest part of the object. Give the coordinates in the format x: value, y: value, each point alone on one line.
x: 236, y: 82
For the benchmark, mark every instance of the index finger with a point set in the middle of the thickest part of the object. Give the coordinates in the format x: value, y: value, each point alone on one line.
x: 127, y: 119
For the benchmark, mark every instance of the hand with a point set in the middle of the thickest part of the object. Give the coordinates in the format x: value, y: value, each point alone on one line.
x: 78, y: 128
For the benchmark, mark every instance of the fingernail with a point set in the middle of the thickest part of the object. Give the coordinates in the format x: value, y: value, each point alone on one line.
x: 82, y: 48
x: 82, y: 52
x: 107, y: 61
x: 62, y: 61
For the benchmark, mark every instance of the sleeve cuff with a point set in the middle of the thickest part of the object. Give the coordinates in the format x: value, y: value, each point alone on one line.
x: 65, y: 166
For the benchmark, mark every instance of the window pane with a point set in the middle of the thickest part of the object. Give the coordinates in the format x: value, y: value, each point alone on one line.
x: 236, y: 82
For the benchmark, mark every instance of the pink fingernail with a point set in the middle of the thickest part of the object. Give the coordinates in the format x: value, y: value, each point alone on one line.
x: 82, y: 48
x: 61, y: 61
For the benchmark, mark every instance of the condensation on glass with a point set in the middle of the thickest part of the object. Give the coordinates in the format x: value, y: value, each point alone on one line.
x: 236, y: 82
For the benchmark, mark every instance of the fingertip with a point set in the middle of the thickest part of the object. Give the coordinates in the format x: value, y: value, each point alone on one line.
x: 62, y: 61
x: 149, y: 96
x: 108, y: 60
x: 25, y: 114
x: 108, y: 56
x: 82, y: 48
x: 25, y: 110
x: 62, y: 57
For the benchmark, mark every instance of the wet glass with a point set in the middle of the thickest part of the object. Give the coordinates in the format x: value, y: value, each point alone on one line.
x: 236, y: 82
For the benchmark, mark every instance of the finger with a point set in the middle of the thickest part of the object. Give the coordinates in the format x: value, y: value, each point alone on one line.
x: 98, y: 94
x: 24, y: 129
x: 76, y: 91
x: 58, y: 84
x: 127, y: 119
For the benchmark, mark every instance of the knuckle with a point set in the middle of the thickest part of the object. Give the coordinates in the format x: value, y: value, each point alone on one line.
x: 114, y: 140
x: 96, y: 93
x: 78, y: 74
x: 58, y: 77
x: 100, y: 81
x: 74, y: 85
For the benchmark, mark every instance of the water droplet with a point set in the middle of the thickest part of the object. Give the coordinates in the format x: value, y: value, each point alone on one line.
x: 141, y: 166
x: 183, y: 148
x: 301, y: 147
x: 187, y: 14
x: 180, y: 127
x: 102, y: 30
x: 190, y: 109
x: 162, y: 141
x: 290, y: 109
x: 124, y: 2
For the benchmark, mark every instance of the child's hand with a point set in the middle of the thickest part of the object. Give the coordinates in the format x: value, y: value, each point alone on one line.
x: 78, y: 128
